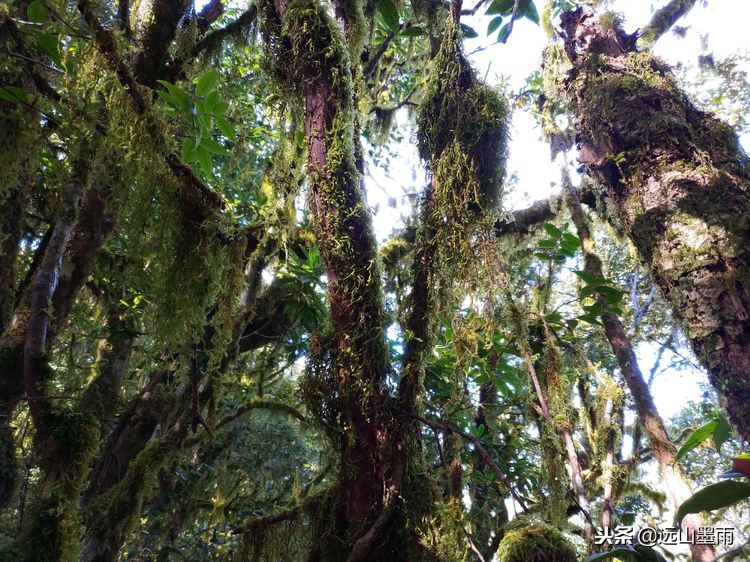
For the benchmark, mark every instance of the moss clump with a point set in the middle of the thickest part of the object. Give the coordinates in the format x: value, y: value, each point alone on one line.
x: 533, y: 541
x: 463, y: 132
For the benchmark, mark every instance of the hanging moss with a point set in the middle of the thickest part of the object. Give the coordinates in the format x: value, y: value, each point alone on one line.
x: 463, y: 133
x: 533, y: 541
x: 557, y: 385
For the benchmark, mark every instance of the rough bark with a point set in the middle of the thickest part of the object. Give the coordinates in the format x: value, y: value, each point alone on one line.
x: 677, y: 486
x: 679, y: 182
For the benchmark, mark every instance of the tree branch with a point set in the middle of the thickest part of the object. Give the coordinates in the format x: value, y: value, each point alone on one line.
x: 107, y: 44
x: 662, y: 21
x: 480, y: 449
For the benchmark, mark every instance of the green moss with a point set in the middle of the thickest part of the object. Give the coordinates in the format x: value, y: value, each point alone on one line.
x: 118, y: 510
x: 532, y: 541
x: 69, y: 440
x: 611, y: 21
x: 463, y: 131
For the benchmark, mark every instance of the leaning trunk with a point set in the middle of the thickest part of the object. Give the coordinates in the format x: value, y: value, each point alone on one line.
x: 679, y: 182
x: 664, y: 451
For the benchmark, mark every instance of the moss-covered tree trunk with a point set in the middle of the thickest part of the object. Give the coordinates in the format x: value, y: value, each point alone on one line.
x: 679, y: 183
x: 317, y: 60
x: 677, y: 485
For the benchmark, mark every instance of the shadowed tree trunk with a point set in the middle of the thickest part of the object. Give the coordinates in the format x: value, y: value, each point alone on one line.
x: 679, y: 182
x: 677, y: 486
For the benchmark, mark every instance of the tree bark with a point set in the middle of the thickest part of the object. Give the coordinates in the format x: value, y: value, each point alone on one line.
x: 680, y: 184
x: 320, y: 66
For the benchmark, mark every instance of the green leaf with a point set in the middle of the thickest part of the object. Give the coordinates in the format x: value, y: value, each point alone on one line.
x: 530, y: 12
x: 167, y: 97
x: 547, y: 244
x: 188, y: 150
x: 502, y: 37
x: 180, y: 96
x: 37, y: 12
x: 413, y: 31
x: 214, y: 147
x: 468, y: 32
x: 553, y: 317
x: 494, y: 24
x: 587, y: 277
x: 389, y: 12
x: 696, y: 438
x: 12, y: 94
x: 221, y: 107
x: 586, y: 291
x: 212, y: 100
x: 204, y: 157
x: 552, y: 230
x: 49, y: 44
x: 594, y: 309
x: 722, y: 432
x: 715, y: 496
x: 628, y: 553
x: 571, y: 240
x: 225, y: 127
x: 503, y: 7
x: 590, y: 319
x: 206, y: 82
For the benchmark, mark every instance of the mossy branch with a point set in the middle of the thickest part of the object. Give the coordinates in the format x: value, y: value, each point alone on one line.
x: 107, y: 43
x: 663, y: 20
x: 486, y: 457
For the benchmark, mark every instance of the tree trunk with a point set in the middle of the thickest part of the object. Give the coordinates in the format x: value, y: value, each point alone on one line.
x: 677, y: 486
x: 679, y: 182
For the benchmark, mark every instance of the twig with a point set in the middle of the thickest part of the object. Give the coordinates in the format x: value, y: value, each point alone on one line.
x: 480, y: 449
x: 512, y: 19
